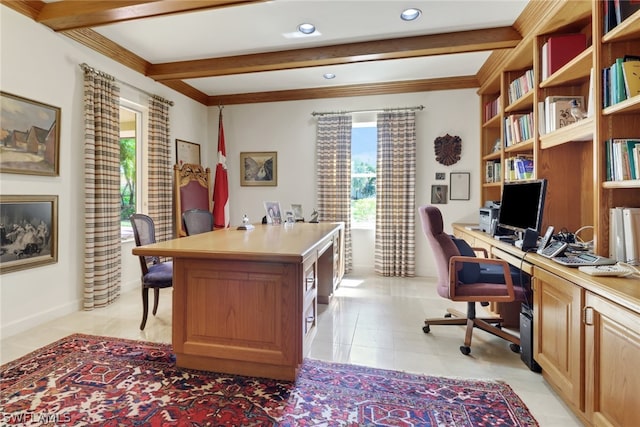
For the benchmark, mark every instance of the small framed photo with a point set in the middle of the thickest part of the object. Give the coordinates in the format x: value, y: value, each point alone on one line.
x: 30, y: 136
x: 259, y: 168
x: 187, y: 152
x: 274, y: 213
x: 297, y: 212
x: 460, y: 185
x: 440, y: 176
x: 29, y: 232
x: 438, y: 194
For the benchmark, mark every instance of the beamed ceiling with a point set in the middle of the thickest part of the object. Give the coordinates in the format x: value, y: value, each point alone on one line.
x: 238, y: 52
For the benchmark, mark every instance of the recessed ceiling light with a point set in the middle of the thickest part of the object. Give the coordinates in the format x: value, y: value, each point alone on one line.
x: 307, y: 28
x: 410, y: 14
x: 329, y: 76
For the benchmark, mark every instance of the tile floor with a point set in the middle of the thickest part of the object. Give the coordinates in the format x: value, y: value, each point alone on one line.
x: 372, y: 321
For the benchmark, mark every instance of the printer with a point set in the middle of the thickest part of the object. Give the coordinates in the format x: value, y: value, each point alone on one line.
x: 488, y: 214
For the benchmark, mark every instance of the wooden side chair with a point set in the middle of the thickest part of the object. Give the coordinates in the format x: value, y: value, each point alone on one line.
x: 155, y: 273
x: 192, y: 190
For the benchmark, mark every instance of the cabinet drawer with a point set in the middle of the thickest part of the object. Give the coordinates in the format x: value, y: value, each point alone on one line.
x: 310, y: 279
x: 309, y: 317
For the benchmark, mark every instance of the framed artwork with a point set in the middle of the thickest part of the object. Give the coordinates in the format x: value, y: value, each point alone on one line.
x: 297, y: 212
x: 438, y: 194
x: 274, y: 214
x: 440, y: 176
x: 187, y: 152
x: 28, y: 232
x: 460, y: 185
x: 29, y: 135
x: 259, y: 168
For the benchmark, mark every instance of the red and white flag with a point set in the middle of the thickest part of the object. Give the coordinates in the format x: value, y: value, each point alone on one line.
x: 221, y: 187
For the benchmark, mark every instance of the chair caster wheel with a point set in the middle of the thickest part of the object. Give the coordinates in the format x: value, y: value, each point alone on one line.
x: 465, y: 350
x: 447, y: 315
x: 515, y: 348
x: 426, y: 329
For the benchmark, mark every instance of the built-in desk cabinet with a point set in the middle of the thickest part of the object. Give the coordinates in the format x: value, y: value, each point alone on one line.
x: 612, y: 361
x: 557, y: 343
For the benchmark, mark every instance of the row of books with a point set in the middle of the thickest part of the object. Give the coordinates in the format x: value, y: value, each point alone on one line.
x: 518, y: 167
x: 560, y: 49
x: 520, y: 86
x: 622, y: 159
x: 493, y: 171
x: 557, y: 111
x: 518, y: 128
x: 621, y: 80
x: 624, y: 234
x: 616, y: 11
x: 491, y: 109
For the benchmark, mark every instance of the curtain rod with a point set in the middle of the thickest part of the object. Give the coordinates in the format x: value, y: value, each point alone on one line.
x: 324, y: 113
x: 85, y: 67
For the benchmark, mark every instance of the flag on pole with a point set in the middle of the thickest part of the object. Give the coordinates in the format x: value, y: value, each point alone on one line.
x: 221, y: 187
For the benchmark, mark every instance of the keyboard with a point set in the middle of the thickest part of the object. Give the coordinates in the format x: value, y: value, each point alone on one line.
x: 583, y: 260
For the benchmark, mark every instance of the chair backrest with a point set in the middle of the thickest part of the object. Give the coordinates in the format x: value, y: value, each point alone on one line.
x: 197, y: 221
x: 192, y: 190
x: 441, y: 244
x: 144, y: 233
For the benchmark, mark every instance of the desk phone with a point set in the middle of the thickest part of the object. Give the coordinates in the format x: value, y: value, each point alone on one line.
x: 554, y: 249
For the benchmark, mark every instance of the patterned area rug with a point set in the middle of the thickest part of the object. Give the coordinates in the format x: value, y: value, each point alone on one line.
x: 89, y: 380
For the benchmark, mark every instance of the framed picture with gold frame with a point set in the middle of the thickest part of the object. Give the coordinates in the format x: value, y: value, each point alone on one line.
x: 29, y: 232
x: 259, y: 168
x: 187, y: 152
x: 30, y: 136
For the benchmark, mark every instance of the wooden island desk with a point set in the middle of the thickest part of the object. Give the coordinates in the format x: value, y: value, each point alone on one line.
x: 245, y: 301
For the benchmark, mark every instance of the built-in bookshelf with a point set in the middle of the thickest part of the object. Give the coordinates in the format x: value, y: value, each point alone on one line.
x: 572, y: 154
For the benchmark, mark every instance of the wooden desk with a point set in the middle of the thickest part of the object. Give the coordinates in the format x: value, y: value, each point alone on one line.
x: 245, y: 302
x: 586, y: 334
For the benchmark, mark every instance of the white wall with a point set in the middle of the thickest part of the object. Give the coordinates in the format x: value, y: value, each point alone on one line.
x: 39, y: 64
x: 290, y: 129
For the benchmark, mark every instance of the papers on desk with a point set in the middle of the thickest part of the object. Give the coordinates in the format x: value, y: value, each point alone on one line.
x: 472, y: 227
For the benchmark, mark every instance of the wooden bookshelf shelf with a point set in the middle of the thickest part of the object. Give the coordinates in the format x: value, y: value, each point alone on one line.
x: 525, y: 102
x: 578, y: 69
x: 627, y: 106
x: 576, y: 132
x: 492, y: 122
x: 492, y: 156
x: 627, y: 30
x: 635, y: 183
x: 520, y: 147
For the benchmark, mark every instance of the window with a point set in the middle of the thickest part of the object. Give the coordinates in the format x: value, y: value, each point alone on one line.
x: 364, y: 138
x: 130, y: 165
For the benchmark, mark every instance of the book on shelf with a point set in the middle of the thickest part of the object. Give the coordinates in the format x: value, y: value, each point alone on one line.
x: 559, y: 50
x: 631, y: 227
x: 624, y: 9
x: 609, y: 16
x: 491, y: 109
x: 521, y: 86
x: 558, y: 111
x: 622, y: 159
x: 631, y: 74
x: 518, y: 128
x: 519, y: 167
x: 492, y: 171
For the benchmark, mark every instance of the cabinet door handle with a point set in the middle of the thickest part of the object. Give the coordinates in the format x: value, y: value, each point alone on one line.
x: 587, y: 316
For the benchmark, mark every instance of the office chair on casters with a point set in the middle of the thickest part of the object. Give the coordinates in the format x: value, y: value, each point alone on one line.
x: 155, y: 274
x: 464, y: 277
x: 197, y: 221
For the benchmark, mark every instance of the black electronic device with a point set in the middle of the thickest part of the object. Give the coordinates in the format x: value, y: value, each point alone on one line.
x: 522, y: 205
x: 526, y: 338
x: 555, y: 248
x: 546, y: 239
x: 529, y: 239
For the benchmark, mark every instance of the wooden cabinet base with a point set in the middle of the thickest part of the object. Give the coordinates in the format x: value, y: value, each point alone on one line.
x: 237, y: 367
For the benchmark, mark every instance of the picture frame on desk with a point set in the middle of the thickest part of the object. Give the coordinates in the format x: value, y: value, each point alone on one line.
x: 274, y: 213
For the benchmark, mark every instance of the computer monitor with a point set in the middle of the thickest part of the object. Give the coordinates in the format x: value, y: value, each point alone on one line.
x: 522, y: 205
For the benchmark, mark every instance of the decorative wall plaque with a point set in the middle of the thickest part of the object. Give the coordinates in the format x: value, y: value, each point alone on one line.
x: 448, y: 149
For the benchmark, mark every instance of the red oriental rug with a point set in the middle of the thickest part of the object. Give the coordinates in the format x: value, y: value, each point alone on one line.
x: 89, y: 380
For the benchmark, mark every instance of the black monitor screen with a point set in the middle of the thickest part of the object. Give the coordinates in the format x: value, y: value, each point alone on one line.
x: 522, y: 205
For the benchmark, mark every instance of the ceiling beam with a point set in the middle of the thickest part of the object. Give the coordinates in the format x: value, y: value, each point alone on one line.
x: 444, y: 83
x: 70, y: 15
x: 406, y: 47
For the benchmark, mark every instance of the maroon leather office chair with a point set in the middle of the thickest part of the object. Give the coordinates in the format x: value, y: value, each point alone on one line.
x: 464, y: 277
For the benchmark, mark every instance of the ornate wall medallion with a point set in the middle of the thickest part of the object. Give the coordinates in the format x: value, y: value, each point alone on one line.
x: 448, y: 149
